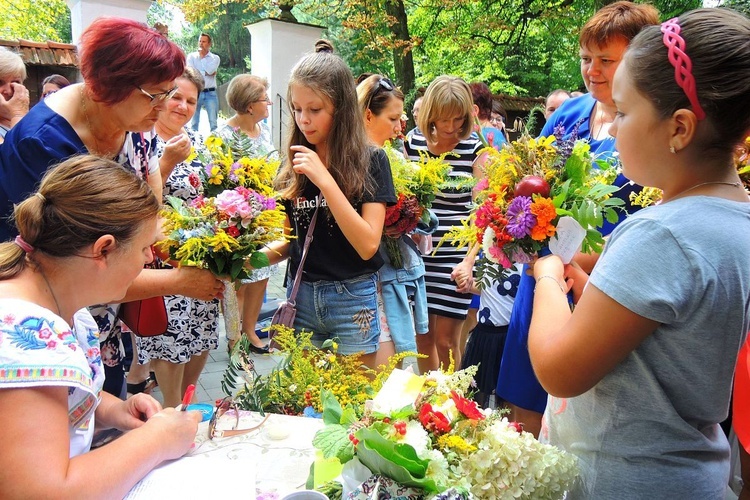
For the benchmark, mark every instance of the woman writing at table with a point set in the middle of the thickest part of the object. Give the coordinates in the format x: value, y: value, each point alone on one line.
x: 89, y: 218
x: 129, y: 73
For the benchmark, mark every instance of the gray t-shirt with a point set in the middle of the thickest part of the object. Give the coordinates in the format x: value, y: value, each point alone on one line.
x: 649, y: 428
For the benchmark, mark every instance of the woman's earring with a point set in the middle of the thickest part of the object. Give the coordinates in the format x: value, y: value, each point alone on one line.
x: 672, y: 150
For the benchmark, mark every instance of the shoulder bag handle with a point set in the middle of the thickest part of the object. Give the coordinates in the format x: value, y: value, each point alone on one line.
x: 305, y: 248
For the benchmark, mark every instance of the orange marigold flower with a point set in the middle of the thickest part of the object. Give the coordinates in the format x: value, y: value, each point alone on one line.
x: 542, y: 231
x: 544, y: 210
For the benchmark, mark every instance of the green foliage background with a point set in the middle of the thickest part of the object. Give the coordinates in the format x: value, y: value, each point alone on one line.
x: 518, y: 47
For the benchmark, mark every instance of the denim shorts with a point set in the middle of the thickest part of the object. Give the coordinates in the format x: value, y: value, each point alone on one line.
x: 342, y: 310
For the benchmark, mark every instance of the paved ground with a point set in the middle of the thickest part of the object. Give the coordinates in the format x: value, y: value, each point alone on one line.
x: 209, y: 384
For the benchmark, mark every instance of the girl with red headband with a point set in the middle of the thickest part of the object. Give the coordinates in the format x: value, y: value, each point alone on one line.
x: 640, y: 374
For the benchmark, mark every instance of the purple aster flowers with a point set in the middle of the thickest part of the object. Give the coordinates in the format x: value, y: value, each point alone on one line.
x: 520, y: 218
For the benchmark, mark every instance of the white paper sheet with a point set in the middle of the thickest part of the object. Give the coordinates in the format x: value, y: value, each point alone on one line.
x: 198, y: 477
x: 567, y: 240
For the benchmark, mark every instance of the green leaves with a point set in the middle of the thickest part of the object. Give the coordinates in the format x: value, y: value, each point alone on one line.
x: 333, y: 441
x: 396, y: 461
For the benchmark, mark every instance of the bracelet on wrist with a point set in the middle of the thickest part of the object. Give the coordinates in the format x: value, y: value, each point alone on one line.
x: 540, y: 278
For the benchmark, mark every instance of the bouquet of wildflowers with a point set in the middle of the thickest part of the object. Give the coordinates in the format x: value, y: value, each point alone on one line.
x: 441, y: 440
x: 530, y: 186
x: 742, y: 160
x: 239, y: 161
x: 416, y: 184
x: 294, y: 387
x: 233, y: 219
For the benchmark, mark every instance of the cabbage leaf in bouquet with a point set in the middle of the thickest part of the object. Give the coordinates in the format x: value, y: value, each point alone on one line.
x: 443, y: 441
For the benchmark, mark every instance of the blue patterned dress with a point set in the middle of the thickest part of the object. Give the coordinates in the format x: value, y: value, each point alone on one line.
x: 193, y: 324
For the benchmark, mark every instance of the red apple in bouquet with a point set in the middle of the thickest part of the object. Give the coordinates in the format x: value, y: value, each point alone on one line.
x: 530, y: 185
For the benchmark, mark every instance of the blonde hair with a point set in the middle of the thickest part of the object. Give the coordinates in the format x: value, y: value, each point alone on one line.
x: 348, y: 149
x: 80, y: 200
x: 446, y: 97
x: 244, y: 90
x: 11, y: 64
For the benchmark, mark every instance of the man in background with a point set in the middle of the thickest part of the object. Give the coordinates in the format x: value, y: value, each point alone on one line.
x: 207, y: 64
x: 554, y: 100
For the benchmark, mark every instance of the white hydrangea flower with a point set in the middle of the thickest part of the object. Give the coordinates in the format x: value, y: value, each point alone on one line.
x: 418, y: 438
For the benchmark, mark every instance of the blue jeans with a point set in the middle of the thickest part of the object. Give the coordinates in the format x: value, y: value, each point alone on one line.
x: 342, y: 310
x: 210, y: 101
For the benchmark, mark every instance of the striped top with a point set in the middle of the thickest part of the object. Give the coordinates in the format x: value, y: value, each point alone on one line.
x: 449, y: 206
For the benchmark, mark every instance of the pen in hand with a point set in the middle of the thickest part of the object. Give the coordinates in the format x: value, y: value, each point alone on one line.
x: 188, y: 397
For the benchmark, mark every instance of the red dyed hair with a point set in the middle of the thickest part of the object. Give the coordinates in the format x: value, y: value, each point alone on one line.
x: 118, y: 55
x: 482, y: 97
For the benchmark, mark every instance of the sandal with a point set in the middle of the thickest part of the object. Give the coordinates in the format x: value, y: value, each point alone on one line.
x: 146, y: 386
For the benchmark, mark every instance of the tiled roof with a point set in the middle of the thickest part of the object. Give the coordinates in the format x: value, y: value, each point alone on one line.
x: 513, y: 103
x: 43, y: 53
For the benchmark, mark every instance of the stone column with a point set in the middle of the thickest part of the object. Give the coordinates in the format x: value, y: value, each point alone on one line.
x: 83, y: 12
x: 275, y: 48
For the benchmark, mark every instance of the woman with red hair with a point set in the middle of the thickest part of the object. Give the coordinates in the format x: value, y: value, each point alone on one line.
x: 129, y: 73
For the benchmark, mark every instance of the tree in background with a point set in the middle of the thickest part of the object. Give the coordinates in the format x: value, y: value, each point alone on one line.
x: 519, y: 47
x: 224, y: 20
x: 35, y: 20
x: 524, y: 47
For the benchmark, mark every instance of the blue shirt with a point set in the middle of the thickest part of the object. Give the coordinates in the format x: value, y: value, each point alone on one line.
x: 576, y: 114
x: 41, y: 139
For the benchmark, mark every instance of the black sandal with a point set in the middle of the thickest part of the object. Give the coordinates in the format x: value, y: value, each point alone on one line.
x: 146, y: 386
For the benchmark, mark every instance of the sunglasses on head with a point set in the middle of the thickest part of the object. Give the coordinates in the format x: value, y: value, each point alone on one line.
x: 222, y: 406
x: 383, y: 84
x: 160, y: 96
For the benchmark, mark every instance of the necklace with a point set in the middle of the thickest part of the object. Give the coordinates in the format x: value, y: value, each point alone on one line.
x: 98, y: 150
x: 51, y: 291
x: 104, y: 153
x: 725, y: 183
x: 599, y: 120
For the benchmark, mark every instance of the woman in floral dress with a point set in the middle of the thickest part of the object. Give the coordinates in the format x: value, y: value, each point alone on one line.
x: 178, y: 356
x: 248, y: 97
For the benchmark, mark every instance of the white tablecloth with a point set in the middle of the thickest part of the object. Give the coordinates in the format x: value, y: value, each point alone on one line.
x: 282, y: 449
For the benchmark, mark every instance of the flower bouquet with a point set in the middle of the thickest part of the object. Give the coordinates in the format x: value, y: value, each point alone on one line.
x: 538, y: 193
x: 416, y: 185
x: 234, y: 218
x: 294, y: 387
x: 742, y: 161
x: 440, y: 441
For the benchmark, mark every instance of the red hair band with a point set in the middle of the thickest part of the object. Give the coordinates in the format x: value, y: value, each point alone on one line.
x: 22, y: 243
x: 683, y: 66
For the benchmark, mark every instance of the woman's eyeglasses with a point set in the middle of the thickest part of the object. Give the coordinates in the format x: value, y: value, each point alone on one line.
x: 266, y: 99
x: 222, y: 406
x: 160, y: 97
x: 383, y: 84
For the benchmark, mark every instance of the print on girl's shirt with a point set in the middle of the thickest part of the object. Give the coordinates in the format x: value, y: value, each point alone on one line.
x: 302, y: 203
x: 509, y: 286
